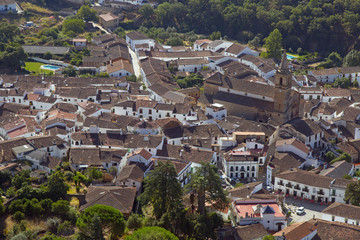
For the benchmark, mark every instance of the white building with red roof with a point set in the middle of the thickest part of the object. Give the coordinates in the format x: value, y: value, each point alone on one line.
x: 267, y: 212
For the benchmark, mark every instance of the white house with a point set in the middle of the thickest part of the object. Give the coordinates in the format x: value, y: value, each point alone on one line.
x: 120, y: 68
x: 8, y: 6
x: 341, y: 212
x: 136, y: 38
x: 235, y: 50
x: 315, y: 187
x: 325, y: 75
x: 267, y: 212
x: 216, y: 111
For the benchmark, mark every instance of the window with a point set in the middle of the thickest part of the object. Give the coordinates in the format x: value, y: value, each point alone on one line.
x: 346, y: 220
x: 237, y: 168
x: 248, y: 168
x: 231, y: 168
x: 332, y: 218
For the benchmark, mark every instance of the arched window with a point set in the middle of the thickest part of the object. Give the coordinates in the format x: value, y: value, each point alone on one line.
x: 253, y: 168
x: 281, y: 81
x: 231, y: 168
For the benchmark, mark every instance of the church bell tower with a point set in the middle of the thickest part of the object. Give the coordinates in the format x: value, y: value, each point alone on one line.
x: 282, y: 101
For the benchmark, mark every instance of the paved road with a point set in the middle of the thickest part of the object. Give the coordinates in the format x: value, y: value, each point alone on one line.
x: 311, y: 210
x: 101, y: 28
x: 135, y: 63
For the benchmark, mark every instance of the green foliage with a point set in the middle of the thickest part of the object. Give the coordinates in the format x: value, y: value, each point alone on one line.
x: 329, y: 156
x: 57, y: 186
x: 175, y: 41
x: 149, y: 233
x: 18, y: 216
x: 18, y: 180
x: 60, y: 207
x: 256, y: 42
x: 8, y: 32
x: 190, y: 81
x: 269, y: 237
x: 352, y: 59
x: 342, y: 83
x: 102, y: 75
x: 206, y: 183
x: 111, y: 220
x: 47, y: 55
x: 134, y: 221
x: 333, y: 60
x: 51, y: 237
x: 347, y: 176
x: 162, y: 190
x: 352, y: 193
x: 273, y: 45
x: 5, y: 176
x: 87, y: 14
x: 343, y: 156
x: 71, y: 27
x: 94, y: 173
x: 215, y: 35
x: 2, y: 208
x: 131, y: 78
x: 64, y: 228
x: 69, y: 71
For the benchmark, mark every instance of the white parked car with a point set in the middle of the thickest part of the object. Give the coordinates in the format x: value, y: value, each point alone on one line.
x: 300, y: 211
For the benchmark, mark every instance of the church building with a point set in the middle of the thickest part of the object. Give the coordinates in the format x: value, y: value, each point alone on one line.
x: 250, y: 97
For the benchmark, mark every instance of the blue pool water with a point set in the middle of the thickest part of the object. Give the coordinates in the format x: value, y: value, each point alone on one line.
x: 50, y: 67
x: 289, y: 57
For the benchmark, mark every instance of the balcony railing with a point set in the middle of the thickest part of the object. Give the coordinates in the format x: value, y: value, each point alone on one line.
x: 305, y: 190
x: 321, y: 192
x: 289, y: 185
x: 281, y: 183
x: 297, y: 187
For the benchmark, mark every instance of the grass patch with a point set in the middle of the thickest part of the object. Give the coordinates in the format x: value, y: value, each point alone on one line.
x: 34, y: 67
x: 75, y: 202
x: 34, y: 8
x: 238, y: 184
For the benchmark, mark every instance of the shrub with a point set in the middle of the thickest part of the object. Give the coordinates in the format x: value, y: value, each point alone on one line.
x: 134, y: 222
x: 18, y: 216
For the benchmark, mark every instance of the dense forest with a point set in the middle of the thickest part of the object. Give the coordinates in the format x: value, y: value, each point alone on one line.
x: 323, y: 26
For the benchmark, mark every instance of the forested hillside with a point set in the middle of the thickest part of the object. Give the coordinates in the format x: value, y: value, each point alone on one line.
x: 317, y: 25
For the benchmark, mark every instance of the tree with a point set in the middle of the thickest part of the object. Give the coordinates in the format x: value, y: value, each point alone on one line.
x: 273, y: 45
x: 352, y: 193
x: 347, y: 176
x: 2, y: 207
x: 206, y: 183
x: 47, y: 55
x: 147, y: 12
x: 342, y: 82
x: 134, y: 222
x: 87, y: 14
x: 60, y: 207
x: 335, y: 59
x: 343, y: 156
x: 69, y: 71
x: 162, y: 190
x: 352, y: 58
x: 57, y: 187
x: 73, y: 25
x: 269, y: 237
x: 149, y: 233
x: 175, y: 41
x: 112, y: 221
x: 215, y: 35
x: 329, y: 156
x: 255, y: 42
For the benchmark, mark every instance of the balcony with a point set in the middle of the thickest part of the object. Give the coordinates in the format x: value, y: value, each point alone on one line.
x: 289, y: 185
x: 321, y: 192
x: 305, y: 189
x: 281, y: 183
x: 333, y: 194
x: 297, y: 187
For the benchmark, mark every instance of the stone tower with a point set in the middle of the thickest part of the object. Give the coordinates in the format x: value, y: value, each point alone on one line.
x: 282, y: 101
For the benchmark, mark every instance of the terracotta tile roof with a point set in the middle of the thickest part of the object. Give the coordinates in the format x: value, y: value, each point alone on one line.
x: 294, y: 142
x: 250, y: 232
x: 335, y: 230
x: 343, y: 210
x: 132, y: 172
x: 306, y: 178
x: 120, y: 65
x: 337, y: 92
x: 121, y: 198
x: 324, y: 72
x: 296, y: 231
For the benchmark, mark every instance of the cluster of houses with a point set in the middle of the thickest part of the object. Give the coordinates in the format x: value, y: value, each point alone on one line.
x: 253, y: 119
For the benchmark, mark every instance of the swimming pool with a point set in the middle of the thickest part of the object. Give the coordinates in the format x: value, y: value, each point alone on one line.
x: 50, y: 67
x: 290, y: 57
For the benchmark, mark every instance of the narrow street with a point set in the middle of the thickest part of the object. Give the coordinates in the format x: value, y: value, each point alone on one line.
x: 135, y: 63
x: 100, y: 27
